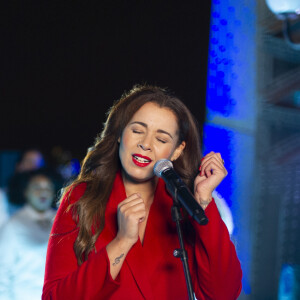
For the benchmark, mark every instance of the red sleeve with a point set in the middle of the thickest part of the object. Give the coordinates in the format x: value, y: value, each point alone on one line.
x: 64, y: 279
x: 218, y: 270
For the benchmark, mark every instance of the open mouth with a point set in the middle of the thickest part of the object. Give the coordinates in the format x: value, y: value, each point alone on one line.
x: 140, y: 160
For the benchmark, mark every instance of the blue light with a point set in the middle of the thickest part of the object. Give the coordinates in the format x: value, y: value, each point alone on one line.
x: 231, y: 112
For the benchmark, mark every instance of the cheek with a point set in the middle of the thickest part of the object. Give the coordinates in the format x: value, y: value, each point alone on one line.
x: 125, y: 145
x: 124, y: 141
x: 166, y: 152
x: 34, y: 194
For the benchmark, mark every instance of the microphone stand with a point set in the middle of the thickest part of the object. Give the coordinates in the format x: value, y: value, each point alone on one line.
x: 181, y: 252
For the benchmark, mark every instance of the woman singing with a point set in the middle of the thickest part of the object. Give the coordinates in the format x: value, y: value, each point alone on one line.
x: 113, y: 236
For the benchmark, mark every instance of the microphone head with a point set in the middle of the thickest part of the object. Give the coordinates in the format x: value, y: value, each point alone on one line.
x: 162, y: 165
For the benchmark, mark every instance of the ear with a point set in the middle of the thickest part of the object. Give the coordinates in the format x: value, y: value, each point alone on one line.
x: 178, y: 151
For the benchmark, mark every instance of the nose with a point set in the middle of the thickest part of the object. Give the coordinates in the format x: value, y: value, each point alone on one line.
x: 145, y: 148
x: 145, y: 144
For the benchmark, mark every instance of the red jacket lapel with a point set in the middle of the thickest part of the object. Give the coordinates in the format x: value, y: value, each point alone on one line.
x: 135, y: 258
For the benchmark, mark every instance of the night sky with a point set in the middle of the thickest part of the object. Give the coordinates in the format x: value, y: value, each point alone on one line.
x: 63, y: 63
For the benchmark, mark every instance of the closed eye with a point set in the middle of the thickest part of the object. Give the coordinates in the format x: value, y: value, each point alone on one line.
x: 162, y: 141
x: 137, y: 131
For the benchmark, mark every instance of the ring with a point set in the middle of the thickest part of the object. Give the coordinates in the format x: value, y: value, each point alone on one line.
x: 223, y: 161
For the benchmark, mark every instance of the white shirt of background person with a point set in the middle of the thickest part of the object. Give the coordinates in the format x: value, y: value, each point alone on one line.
x: 23, y: 243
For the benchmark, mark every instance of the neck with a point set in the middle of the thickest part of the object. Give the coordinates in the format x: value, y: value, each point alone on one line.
x: 146, y: 189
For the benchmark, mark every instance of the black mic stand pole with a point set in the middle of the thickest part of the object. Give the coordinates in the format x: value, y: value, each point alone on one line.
x: 181, y: 253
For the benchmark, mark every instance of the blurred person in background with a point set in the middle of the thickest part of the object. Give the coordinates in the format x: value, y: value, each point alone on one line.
x: 67, y: 166
x: 24, y: 238
x: 30, y: 159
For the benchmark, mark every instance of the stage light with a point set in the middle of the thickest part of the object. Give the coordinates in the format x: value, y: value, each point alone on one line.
x: 288, y: 7
x: 286, y: 10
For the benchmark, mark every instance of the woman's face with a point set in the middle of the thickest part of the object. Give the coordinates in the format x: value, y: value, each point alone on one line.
x: 40, y: 193
x: 152, y: 134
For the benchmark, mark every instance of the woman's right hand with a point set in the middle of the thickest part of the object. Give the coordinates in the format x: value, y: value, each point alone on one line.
x: 131, y: 212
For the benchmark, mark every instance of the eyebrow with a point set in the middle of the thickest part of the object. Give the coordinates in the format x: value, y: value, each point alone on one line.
x: 158, y: 130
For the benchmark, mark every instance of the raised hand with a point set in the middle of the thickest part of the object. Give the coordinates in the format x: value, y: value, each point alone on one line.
x: 131, y: 212
x: 212, y: 172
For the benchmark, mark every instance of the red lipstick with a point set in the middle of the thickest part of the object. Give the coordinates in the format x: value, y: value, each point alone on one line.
x: 140, y: 160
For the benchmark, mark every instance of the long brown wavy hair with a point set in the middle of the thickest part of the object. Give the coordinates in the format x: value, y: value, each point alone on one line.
x: 102, y: 162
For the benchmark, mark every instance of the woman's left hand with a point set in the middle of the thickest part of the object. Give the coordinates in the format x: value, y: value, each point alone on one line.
x: 212, y: 172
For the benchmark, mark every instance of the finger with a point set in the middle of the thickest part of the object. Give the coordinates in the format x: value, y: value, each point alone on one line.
x: 211, y: 155
x: 210, y: 168
x: 141, y: 216
x: 129, y: 199
x: 132, y: 207
x: 210, y: 165
x: 208, y: 155
x: 205, y: 159
x: 135, y: 215
x: 215, y: 161
x: 219, y: 157
x: 213, y: 170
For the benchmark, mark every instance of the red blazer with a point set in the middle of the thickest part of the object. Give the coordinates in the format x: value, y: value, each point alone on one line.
x: 150, y: 271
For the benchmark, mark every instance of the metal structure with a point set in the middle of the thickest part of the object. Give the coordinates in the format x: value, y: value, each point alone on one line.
x: 253, y: 118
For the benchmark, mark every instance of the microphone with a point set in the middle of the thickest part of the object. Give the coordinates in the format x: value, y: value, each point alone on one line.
x: 179, y: 190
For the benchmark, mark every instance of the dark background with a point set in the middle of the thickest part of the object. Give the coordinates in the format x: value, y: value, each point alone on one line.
x: 63, y: 63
